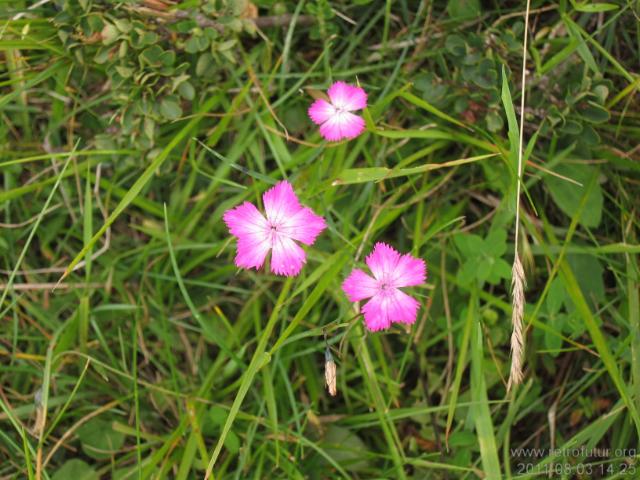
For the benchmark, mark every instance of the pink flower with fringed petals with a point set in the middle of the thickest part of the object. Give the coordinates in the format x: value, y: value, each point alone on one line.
x: 335, y: 118
x: 388, y: 303
x: 286, y: 222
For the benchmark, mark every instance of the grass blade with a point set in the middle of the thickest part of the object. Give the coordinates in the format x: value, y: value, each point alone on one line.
x: 482, y: 413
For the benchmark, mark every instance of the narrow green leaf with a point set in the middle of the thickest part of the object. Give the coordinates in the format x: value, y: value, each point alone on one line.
x: 512, y: 122
x: 581, y: 47
x: 419, y: 102
x: 460, y: 366
x: 588, y: 7
x: 376, y: 174
x: 482, y: 413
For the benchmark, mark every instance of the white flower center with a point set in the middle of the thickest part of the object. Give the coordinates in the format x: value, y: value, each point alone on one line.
x: 340, y: 109
x: 272, y: 232
x: 386, y: 288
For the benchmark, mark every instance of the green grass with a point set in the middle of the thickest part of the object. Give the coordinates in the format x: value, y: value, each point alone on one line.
x: 132, y: 347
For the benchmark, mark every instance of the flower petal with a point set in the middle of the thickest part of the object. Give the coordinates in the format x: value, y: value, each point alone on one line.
x: 342, y: 125
x: 391, y: 306
x: 383, y: 261
x: 287, y: 257
x: 401, y: 307
x: 303, y: 226
x: 245, y: 219
x: 280, y: 202
x: 252, y: 230
x: 252, y: 250
x: 320, y: 111
x: 375, y: 314
x: 409, y: 271
x: 347, y: 97
x: 359, y: 286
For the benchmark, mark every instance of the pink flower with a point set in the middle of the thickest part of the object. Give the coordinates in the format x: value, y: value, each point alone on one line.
x: 390, y: 271
x: 335, y: 119
x: 286, y: 221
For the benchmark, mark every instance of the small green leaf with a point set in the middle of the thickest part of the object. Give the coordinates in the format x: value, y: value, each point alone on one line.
x: 76, y: 470
x: 170, y: 108
x: 99, y: 439
x: 124, y: 72
x: 95, y: 23
x: 469, y: 271
x: 461, y: 9
x: 149, y: 127
x: 470, y: 245
x: 484, y: 270
x: 567, y: 195
x: 499, y: 271
x: 185, y: 26
x: 109, y: 34
x: 551, y: 341
x: 204, y: 64
x: 224, y: 46
x: 102, y: 56
x: 345, y: 447
x: 232, y: 442
x: 601, y: 92
x: 148, y: 38
x: 496, y: 242
x: 556, y: 296
x: 589, y: 136
x: 575, y: 324
x: 218, y: 415
x: 123, y: 49
x: 187, y: 91
x: 590, y: 276
x: 151, y: 56
x: 595, y: 113
x: 494, y: 121
x: 168, y: 58
x: 455, y: 45
x: 211, y: 33
x: 196, y: 43
x: 123, y: 25
x: 571, y: 127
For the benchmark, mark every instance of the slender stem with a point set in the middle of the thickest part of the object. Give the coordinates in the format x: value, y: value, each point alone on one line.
x: 521, y: 141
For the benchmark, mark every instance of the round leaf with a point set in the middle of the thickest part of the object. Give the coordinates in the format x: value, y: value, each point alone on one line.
x: 170, y: 108
x: 75, y: 469
x: 99, y: 439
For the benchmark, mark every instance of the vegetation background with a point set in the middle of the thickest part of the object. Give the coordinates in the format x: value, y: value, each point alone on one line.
x: 128, y: 128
